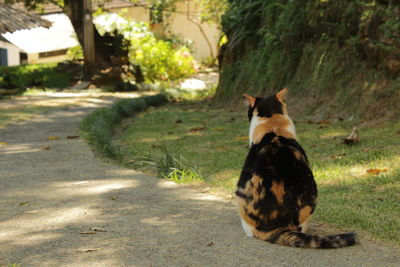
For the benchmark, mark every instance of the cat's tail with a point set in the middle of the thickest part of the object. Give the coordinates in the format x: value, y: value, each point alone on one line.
x: 291, y: 238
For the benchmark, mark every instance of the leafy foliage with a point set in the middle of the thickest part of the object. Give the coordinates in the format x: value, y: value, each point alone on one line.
x: 159, y: 59
x: 34, y: 75
x: 317, y: 48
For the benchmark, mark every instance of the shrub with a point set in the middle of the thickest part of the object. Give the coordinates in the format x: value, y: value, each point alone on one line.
x: 34, y: 75
x: 159, y: 59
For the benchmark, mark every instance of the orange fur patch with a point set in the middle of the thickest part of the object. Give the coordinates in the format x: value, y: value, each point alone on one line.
x: 279, y: 190
x: 278, y: 124
x: 304, y: 214
x: 250, y: 100
x: 273, y: 215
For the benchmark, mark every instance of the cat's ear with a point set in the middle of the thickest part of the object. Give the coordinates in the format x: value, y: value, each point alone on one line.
x: 281, y: 95
x: 249, y: 100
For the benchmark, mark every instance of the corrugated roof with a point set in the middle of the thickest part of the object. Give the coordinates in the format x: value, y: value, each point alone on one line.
x: 12, y: 20
x: 59, y: 36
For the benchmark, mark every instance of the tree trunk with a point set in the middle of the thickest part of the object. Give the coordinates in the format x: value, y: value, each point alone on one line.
x: 75, y: 11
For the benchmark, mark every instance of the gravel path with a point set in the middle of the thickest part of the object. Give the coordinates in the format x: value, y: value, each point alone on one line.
x: 62, y: 206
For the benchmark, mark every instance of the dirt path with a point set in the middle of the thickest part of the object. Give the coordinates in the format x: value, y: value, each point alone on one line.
x: 62, y: 206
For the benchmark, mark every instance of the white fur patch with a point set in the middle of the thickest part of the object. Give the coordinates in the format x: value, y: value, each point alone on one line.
x: 247, y: 228
x: 255, y: 121
x: 291, y: 128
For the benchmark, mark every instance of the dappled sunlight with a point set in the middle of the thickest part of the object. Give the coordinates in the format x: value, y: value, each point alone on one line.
x: 92, y: 187
x: 18, y: 148
x: 167, y: 184
x: 25, y: 229
x: 205, y: 197
x: 354, y: 172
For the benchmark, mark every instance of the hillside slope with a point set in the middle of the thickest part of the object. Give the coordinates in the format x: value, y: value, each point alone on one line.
x: 336, y: 57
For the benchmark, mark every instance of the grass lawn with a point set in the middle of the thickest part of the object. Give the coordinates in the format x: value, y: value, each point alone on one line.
x: 209, y: 145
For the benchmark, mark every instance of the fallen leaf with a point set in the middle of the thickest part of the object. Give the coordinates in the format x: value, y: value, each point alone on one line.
x: 72, y: 136
x: 92, y: 231
x: 376, y: 171
x: 179, y: 121
x: 242, y: 138
x: 210, y: 244
x: 3, y: 143
x: 24, y: 204
x: 88, y: 233
x: 99, y: 230
x: 53, y: 138
x: 113, y: 197
x: 197, y: 129
x: 218, y: 129
x: 88, y: 249
x: 91, y: 250
x: 45, y: 148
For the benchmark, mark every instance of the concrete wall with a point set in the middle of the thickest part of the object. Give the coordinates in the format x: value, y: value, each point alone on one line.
x: 134, y: 13
x: 179, y: 24
x: 35, y: 59
x: 12, y: 53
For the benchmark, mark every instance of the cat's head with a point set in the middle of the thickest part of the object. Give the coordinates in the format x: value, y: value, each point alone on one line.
x: 266, y: 106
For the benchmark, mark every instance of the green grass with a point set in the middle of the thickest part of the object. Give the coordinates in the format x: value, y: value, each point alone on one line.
x: 211, y: 144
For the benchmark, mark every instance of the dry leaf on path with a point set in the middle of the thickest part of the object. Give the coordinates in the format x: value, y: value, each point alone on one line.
x: 376, y: 171
x: 53, y: 138
x: 88, y: 233
x: 45, y: 148
x: 72, y: 136
x: 210, y: 244
x: 24, y: 204
x: 3, y: 143
x: 88, y: 250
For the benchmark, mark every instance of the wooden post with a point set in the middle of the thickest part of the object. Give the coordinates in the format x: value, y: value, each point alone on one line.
x: 88, y: 38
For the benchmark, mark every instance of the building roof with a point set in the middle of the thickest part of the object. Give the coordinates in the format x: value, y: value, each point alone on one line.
x: 12, y: 20
x: 59, y: 36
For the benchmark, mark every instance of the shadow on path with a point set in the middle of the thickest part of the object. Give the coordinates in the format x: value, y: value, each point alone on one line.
x: 65, y: 207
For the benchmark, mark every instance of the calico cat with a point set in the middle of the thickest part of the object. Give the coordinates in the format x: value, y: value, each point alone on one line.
x: 276, y: 191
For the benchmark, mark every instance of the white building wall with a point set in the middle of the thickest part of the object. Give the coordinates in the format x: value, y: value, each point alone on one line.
x: 12, y: 53
x: 180, y: 24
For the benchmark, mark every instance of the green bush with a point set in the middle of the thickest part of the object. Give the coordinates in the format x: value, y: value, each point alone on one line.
x: 159, y: 59
x: 33, y: 75
x: 75, y: 53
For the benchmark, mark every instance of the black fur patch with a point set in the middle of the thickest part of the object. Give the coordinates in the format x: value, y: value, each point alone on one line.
x: 268, y: 106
